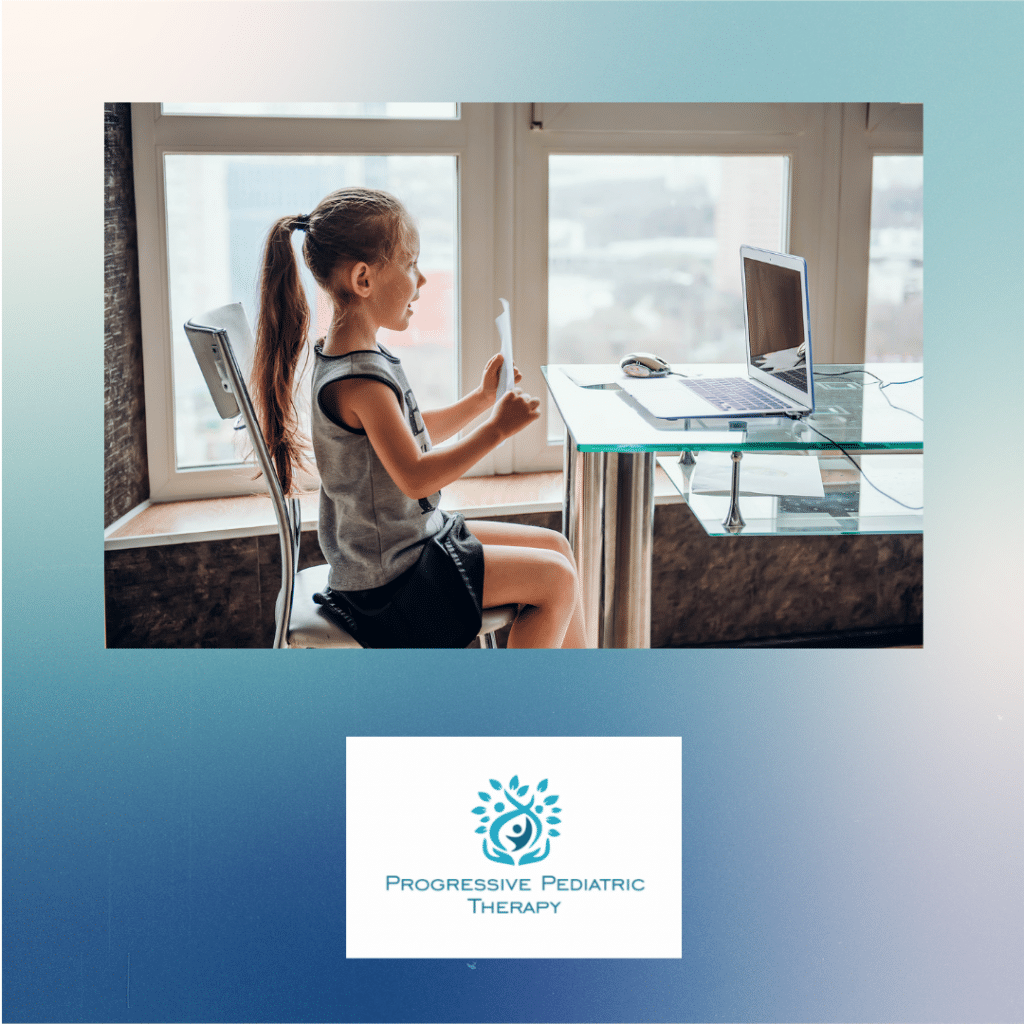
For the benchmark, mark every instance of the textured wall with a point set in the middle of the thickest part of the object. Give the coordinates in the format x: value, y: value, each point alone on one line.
x: 126, y: 476
x: 705, y: 591
x: 731, y: 590
x: 211, y: 594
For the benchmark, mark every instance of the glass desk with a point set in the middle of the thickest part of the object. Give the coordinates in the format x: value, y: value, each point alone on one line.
x: 611, y: 448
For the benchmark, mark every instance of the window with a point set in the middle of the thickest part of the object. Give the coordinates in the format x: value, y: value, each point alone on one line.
x: 208, y: 186
x: 218, y: 211
x: 643, y: 253
x: 895, y: 327
x: 609, y: 227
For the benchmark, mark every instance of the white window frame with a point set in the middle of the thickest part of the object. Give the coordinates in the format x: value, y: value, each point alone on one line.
x: 469, y: 138
x: 502, y: 154
x: 869, y: 130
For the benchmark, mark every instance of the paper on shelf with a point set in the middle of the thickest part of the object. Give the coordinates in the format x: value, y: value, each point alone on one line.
x: 506, y: 377
x: 759, y: 474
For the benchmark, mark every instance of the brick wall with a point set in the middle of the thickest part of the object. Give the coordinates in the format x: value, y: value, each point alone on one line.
x: 126, y: 475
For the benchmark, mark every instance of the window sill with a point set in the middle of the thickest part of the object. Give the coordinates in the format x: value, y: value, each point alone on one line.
x: 189, y: 522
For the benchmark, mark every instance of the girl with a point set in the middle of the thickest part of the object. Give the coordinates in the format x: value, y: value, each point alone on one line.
x: 403, y: 573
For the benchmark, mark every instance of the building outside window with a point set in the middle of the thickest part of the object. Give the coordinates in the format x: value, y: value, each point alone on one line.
x: 643, y: 253
x: 219, y: 209
x: 895, y: 322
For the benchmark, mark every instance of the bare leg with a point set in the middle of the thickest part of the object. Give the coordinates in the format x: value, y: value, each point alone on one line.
x: 532, y: 566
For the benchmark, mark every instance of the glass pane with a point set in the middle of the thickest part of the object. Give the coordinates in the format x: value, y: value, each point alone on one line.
x: 219, y: 209
x: 895, y: 325
x: 411, y: 111
x: 643, y: 253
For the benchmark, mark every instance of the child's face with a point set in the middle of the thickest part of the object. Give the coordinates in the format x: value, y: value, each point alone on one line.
x: 398, y: 285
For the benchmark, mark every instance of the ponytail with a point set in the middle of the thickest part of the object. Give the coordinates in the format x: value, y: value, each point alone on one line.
x: 350, y: 225
x: 281, y: 330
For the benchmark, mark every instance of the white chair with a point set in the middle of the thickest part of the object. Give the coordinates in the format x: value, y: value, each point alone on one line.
x: 300, y: 622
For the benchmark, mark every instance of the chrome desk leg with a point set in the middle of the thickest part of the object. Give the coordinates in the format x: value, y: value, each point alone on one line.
x: 733, y: 521
x: 582, y: 509
x: 629, y: 543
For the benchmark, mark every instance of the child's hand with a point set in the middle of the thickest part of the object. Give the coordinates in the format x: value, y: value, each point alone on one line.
x: 489, y: 382
x: 515, y: 411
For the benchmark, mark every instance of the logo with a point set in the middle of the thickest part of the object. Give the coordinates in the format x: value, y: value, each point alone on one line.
x: 514, y: 831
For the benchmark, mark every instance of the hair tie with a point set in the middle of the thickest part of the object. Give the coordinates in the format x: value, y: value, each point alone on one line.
x: 300, y: 223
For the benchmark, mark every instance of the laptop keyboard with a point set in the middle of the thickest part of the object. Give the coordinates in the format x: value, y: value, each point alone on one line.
x: 728, y: 395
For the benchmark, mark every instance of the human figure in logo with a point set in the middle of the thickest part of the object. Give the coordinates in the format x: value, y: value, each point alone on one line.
x: 520, y: 840
x: 403, y: 573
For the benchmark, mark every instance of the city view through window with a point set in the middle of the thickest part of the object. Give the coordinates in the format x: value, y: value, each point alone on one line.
x: 643, y: 254
x: 895, y: 324
x: 219, y: 209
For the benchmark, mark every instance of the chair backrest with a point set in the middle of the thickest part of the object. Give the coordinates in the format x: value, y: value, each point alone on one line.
x: 211, y: 338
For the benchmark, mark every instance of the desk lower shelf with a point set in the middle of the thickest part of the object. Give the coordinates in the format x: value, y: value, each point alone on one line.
x: 849, y: 505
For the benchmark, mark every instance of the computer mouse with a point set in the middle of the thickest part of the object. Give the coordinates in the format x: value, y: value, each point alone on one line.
x: 644, y: 364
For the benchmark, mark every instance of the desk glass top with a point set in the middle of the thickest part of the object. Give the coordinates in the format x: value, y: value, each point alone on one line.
x: 850, y: 409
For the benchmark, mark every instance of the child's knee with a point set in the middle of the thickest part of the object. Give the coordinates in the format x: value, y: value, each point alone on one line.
x: 557, y: 542
x: 563, y: 573
x: 566, y: 548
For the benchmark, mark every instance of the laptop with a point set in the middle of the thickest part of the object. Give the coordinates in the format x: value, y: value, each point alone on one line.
x: 779, y: 378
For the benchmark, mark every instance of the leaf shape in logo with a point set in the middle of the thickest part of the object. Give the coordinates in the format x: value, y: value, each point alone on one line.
x: 553, y: 821
x: 482, y: 828
x: 522, y: 790
x: 542, y: 785
x: 483, y: 795
x: 555, y: 810
x: 514, y: 784
x: 479, y: 810
x: 551, y: 832
x: 486, y: 817
x: 499, y: 807
x: 547, y: 799
x: 495, y: 784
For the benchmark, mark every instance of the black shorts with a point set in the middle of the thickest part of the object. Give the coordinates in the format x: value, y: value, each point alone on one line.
x: 436, y: 603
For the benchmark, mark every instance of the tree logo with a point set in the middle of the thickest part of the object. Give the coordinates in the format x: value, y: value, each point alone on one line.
x: 514, y: 831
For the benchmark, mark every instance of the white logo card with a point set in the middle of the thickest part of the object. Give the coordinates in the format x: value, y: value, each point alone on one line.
x: 477, y: 847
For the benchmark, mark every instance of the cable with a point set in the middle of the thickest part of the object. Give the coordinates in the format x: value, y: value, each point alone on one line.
x: 912, y: 508
x: 882, y: 385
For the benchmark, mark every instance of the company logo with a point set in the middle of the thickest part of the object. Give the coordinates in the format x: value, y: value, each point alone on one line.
x: 513, y: 828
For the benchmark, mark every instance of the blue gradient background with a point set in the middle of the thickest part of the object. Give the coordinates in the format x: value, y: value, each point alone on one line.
x: 852, y: 820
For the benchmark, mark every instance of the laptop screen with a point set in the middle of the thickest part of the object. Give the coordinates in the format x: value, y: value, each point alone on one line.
x: 775, y: 321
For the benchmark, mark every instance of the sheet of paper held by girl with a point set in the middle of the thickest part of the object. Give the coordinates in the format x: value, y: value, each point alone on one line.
x: 380, y: 474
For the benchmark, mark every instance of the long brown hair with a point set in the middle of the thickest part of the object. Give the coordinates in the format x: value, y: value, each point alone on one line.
x: 352, y: 225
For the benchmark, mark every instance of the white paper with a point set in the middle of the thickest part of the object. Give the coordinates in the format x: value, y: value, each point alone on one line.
x: 759, y: 474
x: 506, y: 376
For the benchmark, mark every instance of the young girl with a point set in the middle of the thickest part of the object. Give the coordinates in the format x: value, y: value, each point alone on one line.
x: 403, y: 572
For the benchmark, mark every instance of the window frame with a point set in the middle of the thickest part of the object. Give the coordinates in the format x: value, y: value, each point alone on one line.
x: 154, y: 135
x: 502, y: 222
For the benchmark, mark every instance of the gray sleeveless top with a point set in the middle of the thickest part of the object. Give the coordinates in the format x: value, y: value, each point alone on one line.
x: 369, y: 531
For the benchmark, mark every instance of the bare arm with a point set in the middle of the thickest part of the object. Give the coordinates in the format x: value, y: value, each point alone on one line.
x: 372, y: 406
x: 446, y: 422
